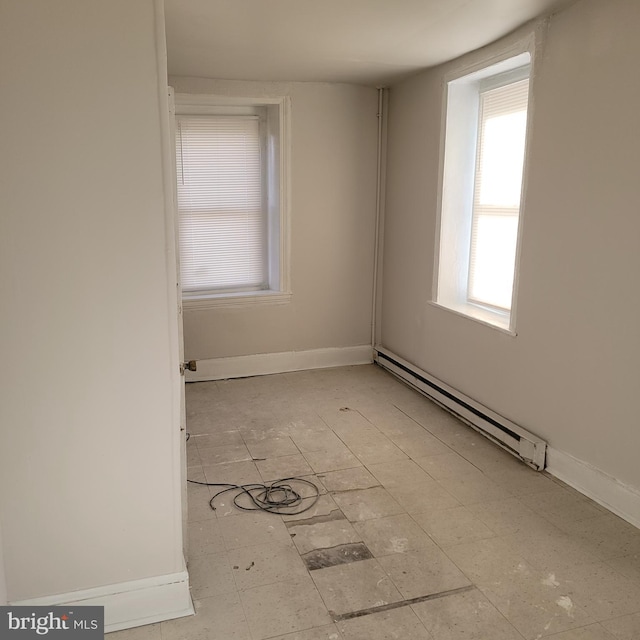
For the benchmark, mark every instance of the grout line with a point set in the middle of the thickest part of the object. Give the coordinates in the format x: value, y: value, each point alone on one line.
x: 334, y: 514
x: 375, y: 486
x: 403, y: 603
x: 446, y: 444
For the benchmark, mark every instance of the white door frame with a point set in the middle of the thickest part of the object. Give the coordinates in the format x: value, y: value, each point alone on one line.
x: 183, y: 409
x: 174, y: 291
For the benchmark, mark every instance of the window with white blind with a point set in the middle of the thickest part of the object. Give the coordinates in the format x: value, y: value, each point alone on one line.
x: 229, y: 169
x: 484, y: 158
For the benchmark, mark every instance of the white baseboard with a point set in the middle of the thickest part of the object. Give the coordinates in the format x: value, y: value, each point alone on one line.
x: 617, y: 497
x: 621, y: 499
x: 267, y: 363
x: 130, y: 604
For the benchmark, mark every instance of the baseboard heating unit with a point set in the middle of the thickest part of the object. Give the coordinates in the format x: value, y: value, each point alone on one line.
x: 514, y: 439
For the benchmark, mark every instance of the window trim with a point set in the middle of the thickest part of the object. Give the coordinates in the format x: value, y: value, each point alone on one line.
x: 200, y: 104
x: 503, y: 321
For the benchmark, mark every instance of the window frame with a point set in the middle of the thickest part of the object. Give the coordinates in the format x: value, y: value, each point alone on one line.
x: 478, y: 210
x: 482, y: 73
x: 278, y: 217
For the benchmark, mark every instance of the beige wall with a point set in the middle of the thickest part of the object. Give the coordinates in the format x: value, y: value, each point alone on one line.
x: 3, y: 582
x: 333, y: 182
x: 571, y: 374
x: 89, y: 491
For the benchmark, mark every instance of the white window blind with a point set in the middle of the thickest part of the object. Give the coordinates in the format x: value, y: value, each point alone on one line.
x: 498, y: 186
x: 222, y: 219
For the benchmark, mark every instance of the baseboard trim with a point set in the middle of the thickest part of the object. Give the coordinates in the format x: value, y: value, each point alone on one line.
x: 130, y: 604
x: 266, y: 363
x: 621, y: 499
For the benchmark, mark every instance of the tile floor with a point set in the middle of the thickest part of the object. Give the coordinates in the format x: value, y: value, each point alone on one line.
x: 512, y: 554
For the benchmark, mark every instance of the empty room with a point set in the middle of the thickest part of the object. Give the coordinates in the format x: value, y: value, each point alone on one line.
x: 320, y: 318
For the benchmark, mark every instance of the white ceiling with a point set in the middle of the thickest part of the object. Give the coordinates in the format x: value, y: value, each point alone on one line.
x: 364, y: 41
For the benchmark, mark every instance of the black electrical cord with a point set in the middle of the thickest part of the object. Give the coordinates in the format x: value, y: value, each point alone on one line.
x: 278, y: 496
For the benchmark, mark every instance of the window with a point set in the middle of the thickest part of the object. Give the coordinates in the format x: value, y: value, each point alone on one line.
x: 484, y: 156
x: 231, y: 201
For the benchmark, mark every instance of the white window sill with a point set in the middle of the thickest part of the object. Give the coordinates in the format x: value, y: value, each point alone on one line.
x: 235, y: 299
x: 492, y: 319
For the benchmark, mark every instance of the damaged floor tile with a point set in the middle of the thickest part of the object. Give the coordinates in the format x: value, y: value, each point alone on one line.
x: 355, y: 586
x: 309, y: 536
x: 424, y: 530
x: 341, y: 554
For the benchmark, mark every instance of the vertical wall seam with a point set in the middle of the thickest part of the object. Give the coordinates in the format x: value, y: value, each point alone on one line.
x: 377, y: 248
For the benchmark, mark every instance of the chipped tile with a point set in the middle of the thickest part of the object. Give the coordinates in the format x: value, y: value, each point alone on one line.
x: 352, y: 587
x: 323, y: 535
x: 340, y: 554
